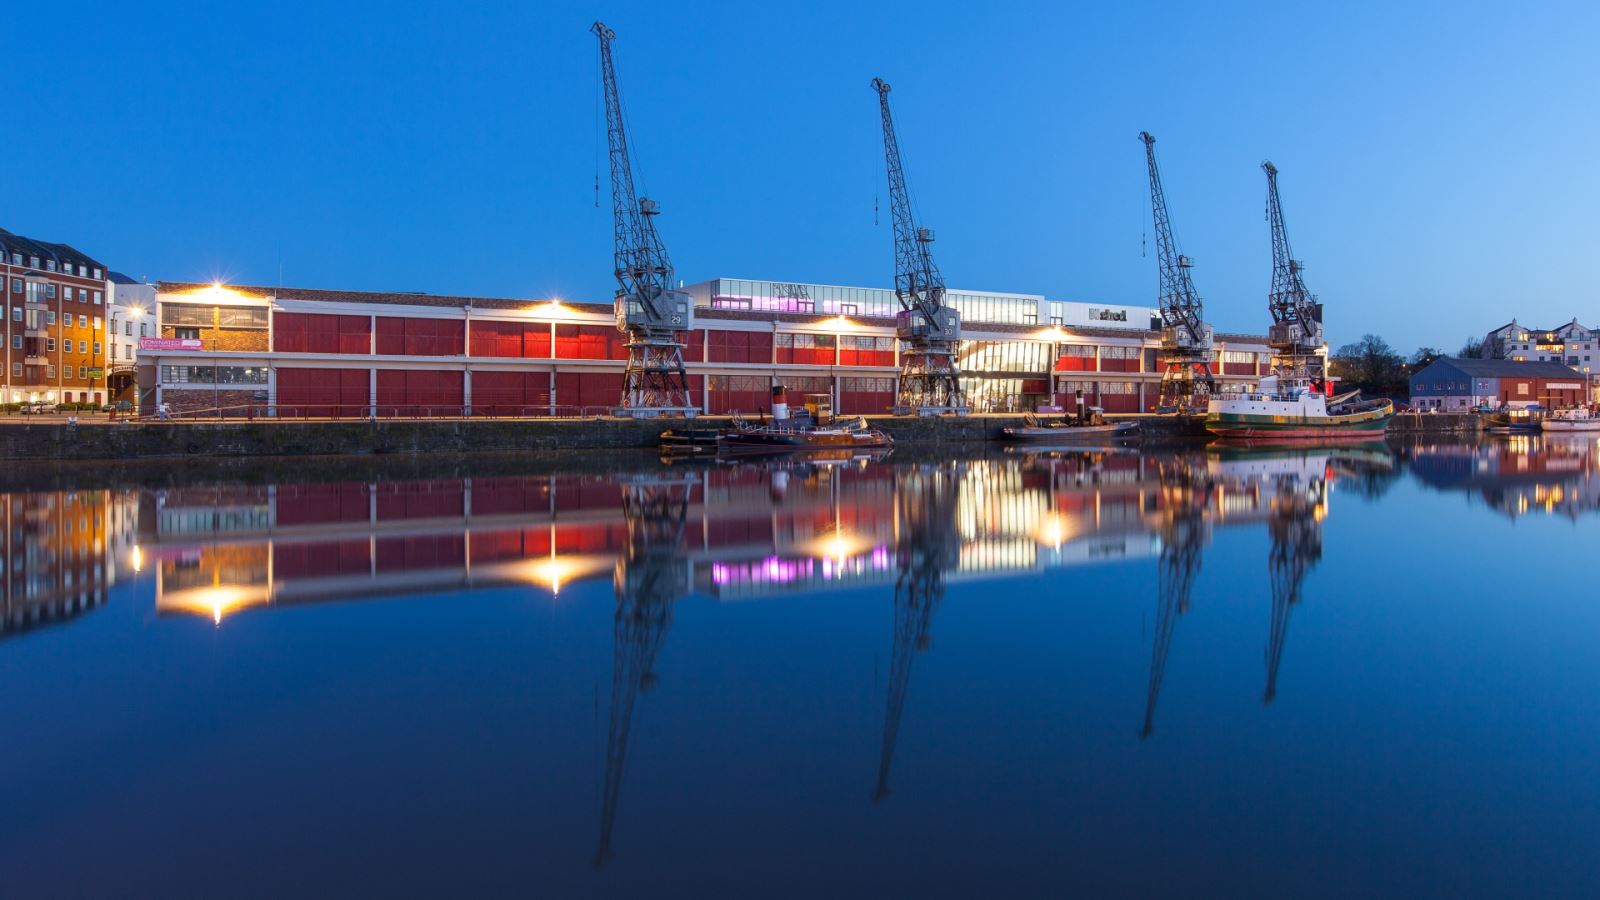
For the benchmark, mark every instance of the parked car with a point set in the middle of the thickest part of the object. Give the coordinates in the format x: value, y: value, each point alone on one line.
x: 38, y: 407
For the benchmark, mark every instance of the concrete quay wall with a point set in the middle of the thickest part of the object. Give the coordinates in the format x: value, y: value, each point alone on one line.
x: 124, y: 441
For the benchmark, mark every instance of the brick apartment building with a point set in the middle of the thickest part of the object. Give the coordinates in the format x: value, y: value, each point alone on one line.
x: 55, y: 311
x: 301, y: 352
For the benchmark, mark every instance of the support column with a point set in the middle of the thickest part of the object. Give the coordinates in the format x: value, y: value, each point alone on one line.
x: 466, y: 391
x: 372, y: 392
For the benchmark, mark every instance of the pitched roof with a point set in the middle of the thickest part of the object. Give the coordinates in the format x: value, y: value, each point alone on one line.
x: 61, y: 253
x: 1500, y: 368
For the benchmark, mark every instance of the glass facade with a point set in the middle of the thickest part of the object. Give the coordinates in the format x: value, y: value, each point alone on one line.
x: 830, y: 300
x: 1004, y: 356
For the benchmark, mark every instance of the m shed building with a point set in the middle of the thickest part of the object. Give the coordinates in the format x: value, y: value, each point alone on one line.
x: 1454, y: 384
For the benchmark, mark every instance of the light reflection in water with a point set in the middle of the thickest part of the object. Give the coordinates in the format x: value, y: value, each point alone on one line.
x: 749, y: 532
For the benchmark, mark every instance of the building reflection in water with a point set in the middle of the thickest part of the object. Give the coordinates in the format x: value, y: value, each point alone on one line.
x: 1518, y: 475
x: 739, y: 532
x: 63, y: 552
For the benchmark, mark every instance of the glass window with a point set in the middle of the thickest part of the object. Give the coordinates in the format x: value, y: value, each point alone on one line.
x: 242, y: 316
x: 97, y: 296
x: 50, y: 345
x: 49, y: 317
x: 16, y: 285
x: 50, y: 291
x: 16, y: 370
x: 83, y: 321
x: 16, y: 314
x: 96, y: 348
x: 16, y: 342
x: 187, y: 314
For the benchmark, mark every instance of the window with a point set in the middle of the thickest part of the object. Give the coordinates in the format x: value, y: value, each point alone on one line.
x: 50, y: 291
x: 83, y: 346
x: 97, y: 296
x: 16, y: 285
x: 50, y: 265
x: 142, y: 327
x: 33, y: 262
x: 16, y: 314
x: 96, y: 323
x: 16, y: 342
x: 1030, y: 318
x: 187, y: 314
x: 242, y: 317
x: 50, y: 345
x: 50, y: 371
x: 214, y: 374
x: 83, y: 271
x: 83, y: 371
x: 16, y: 259
x: 96, y: 348
x: 16, y: 370
x: 127, y: 329
x: 97, y: 277
x: 83, y: 321
x: 1238, y: 356
x: 49, y: 317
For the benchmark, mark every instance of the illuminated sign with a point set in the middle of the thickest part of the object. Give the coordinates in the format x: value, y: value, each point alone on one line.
x: 169, y: 343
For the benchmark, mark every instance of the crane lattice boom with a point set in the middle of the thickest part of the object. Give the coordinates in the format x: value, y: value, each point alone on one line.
x: 1296, y: 332
x: 929, y: 330
x: 647, y: 308
x: 1188, y: 379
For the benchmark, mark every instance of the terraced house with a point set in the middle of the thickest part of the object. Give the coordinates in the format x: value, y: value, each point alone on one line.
x: 55, y: 314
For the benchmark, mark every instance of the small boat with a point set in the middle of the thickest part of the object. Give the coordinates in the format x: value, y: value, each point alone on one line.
x: 782, y: 437
x: 1520, y: 420
x: 1092, y: 426
x: 1567, y: 420
x: 814, y: 429
x: 689, y: 441
x: 1293, y: 410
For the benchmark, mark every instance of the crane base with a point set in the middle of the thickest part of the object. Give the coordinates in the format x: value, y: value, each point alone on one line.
x: 655, y: 412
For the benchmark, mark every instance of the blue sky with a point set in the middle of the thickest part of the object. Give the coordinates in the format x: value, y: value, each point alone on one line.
x: 1437, y: 159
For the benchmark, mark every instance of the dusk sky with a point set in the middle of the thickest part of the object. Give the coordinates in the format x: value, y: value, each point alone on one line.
x: 1437, y: 160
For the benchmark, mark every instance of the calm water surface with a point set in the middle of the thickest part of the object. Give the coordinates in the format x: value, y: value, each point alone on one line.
x: 1314, y: 673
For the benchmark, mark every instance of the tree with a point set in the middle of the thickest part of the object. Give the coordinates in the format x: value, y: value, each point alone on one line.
x: 1371, y: 365
x: 1424, y: 357
x: 1472, y: 349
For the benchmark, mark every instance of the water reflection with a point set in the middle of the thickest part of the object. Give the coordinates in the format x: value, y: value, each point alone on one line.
x: 63, y: 551
x: 905, y: 530
x: 1518, y: 475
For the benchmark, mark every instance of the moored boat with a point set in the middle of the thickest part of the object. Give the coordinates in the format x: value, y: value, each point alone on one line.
x: 1070, y: 428
x: 1567, y: 420
x: 815, y: 429
x: 1292, y: 411
x: 1518, y: 420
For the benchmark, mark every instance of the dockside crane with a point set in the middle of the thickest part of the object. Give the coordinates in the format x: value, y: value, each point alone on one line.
x: 927, y: 547
x: 929, y: 331
x: 1187, y: 381
x: 649, y: 578
x: 648, y: 310
x: 1299, y: 349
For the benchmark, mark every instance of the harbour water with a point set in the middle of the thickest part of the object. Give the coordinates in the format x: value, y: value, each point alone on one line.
x: 1200, y: 672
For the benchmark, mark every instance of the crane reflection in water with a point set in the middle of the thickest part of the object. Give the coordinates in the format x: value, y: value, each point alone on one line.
x: 905, y: 530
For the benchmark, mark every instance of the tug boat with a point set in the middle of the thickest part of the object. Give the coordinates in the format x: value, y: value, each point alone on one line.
x: 1293, y: 411
x: 1570, y: 420
x: 813, y: 430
